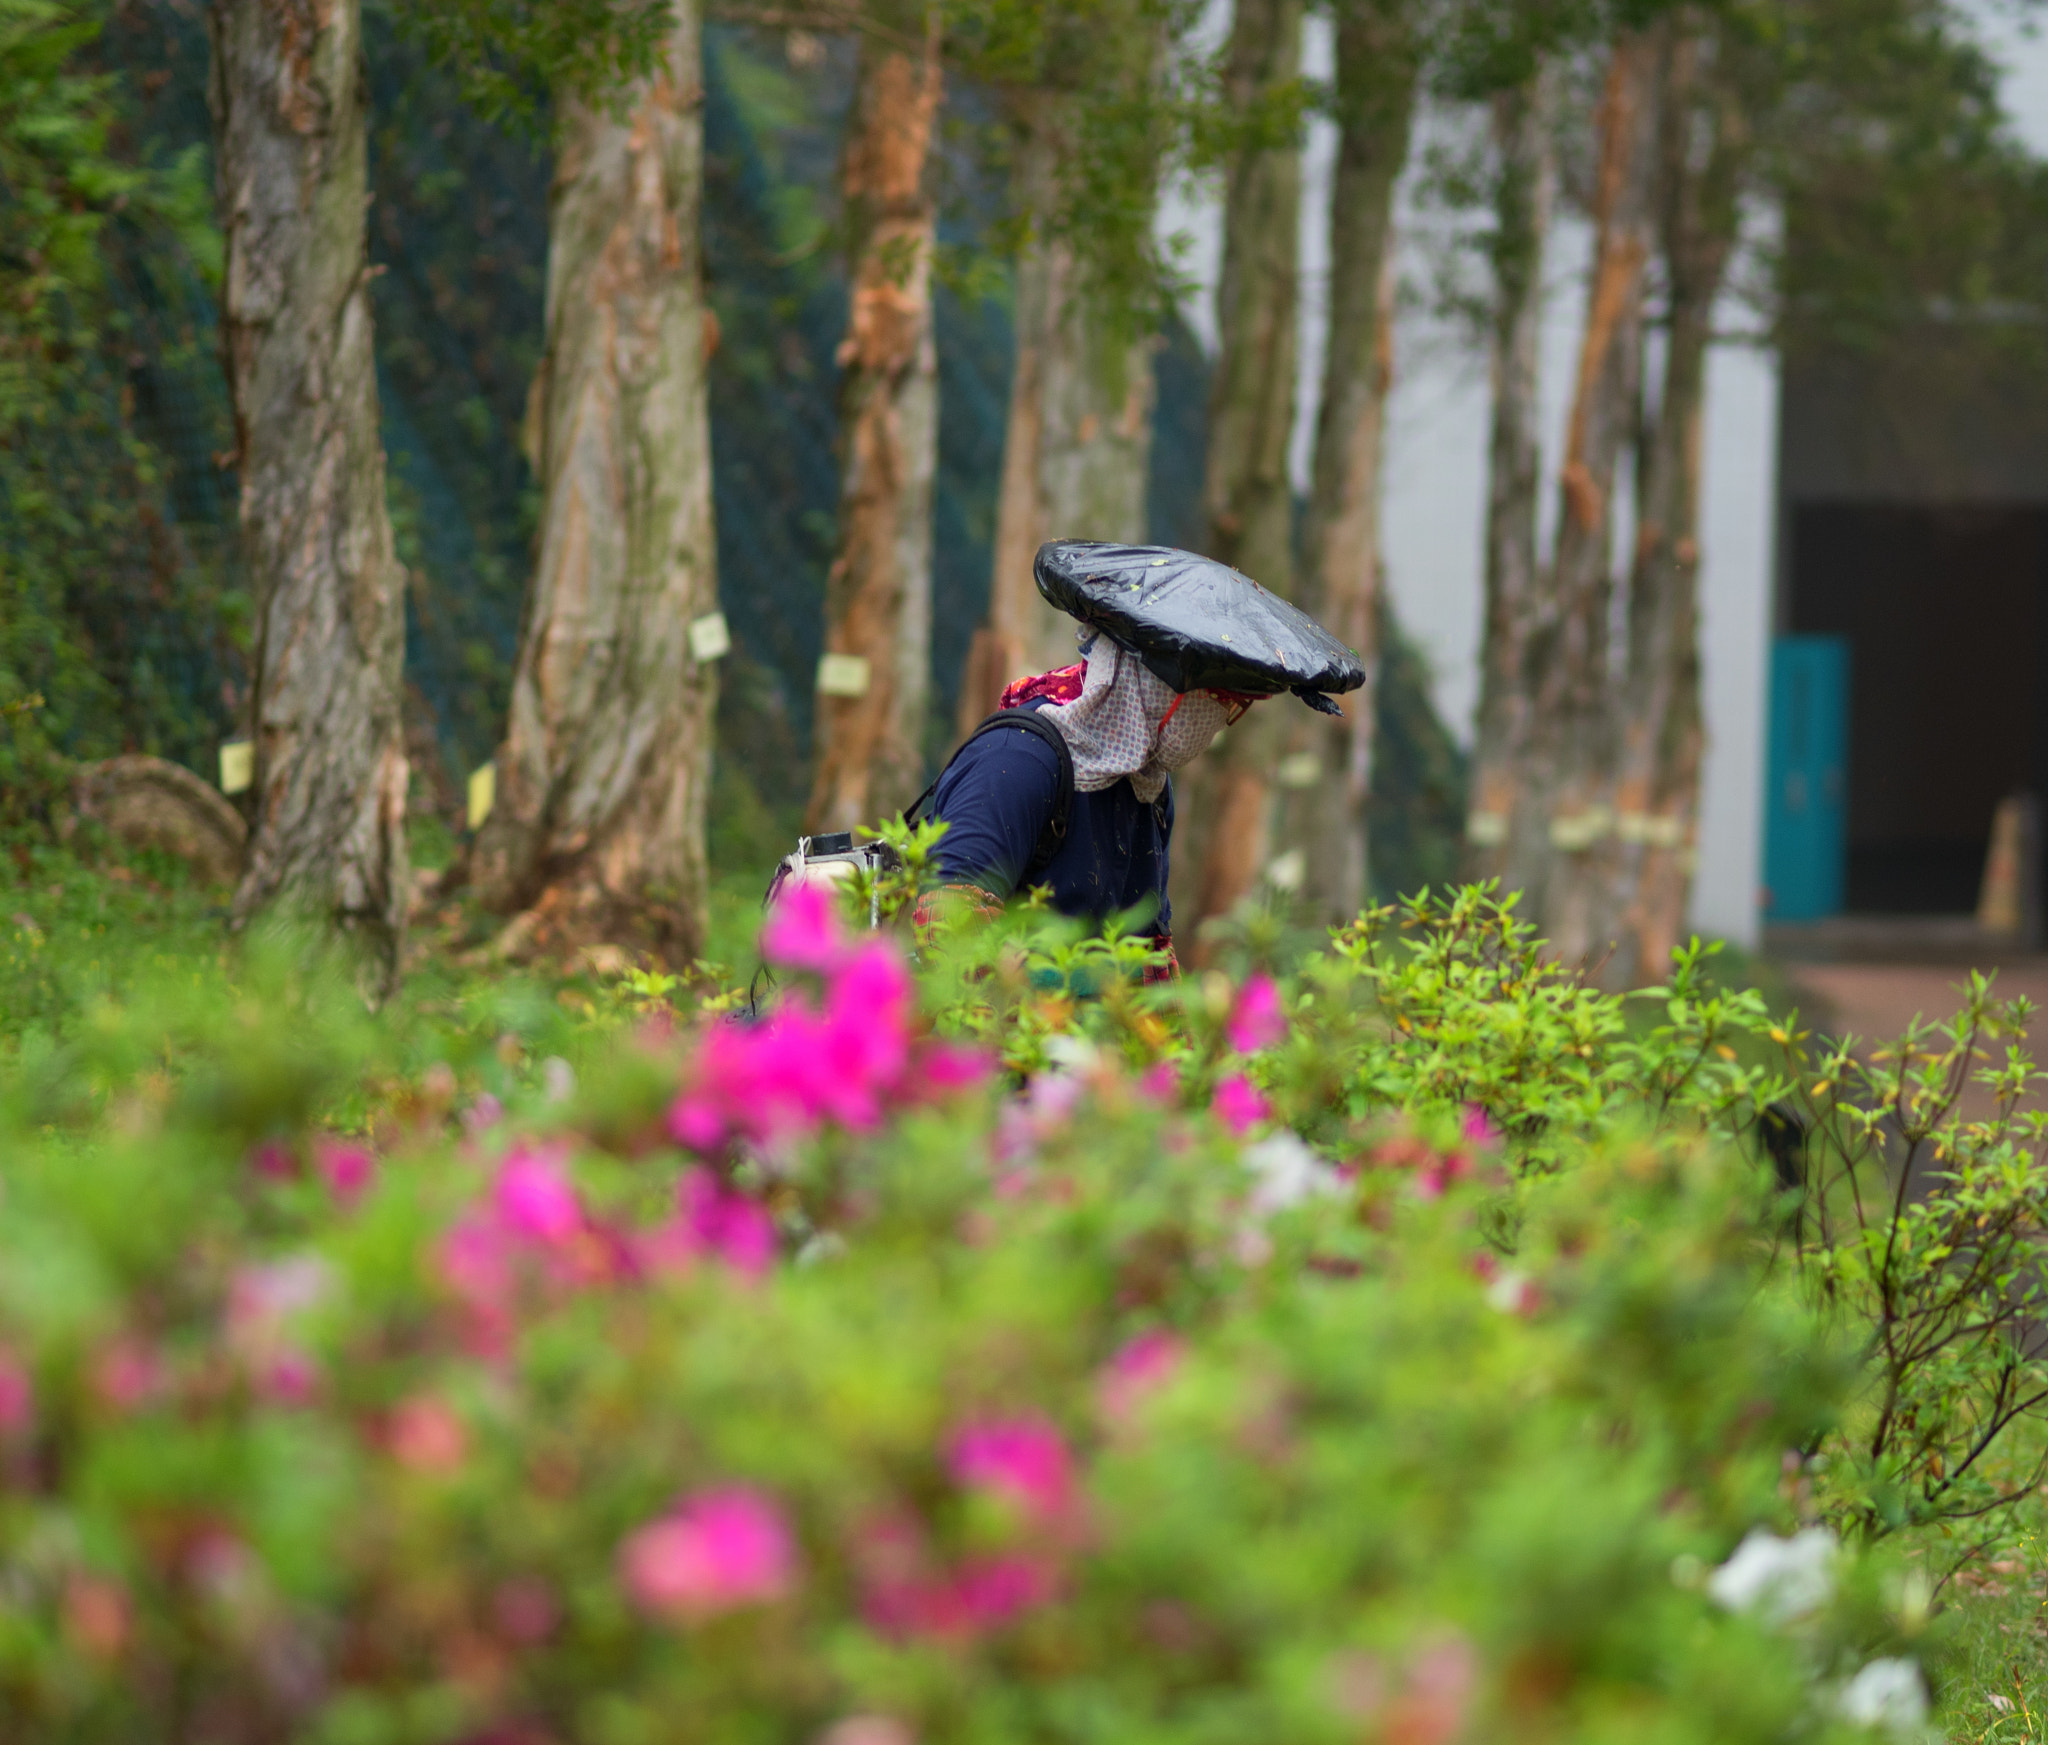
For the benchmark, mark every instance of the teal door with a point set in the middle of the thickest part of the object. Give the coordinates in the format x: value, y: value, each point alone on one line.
x: 1806, y: 840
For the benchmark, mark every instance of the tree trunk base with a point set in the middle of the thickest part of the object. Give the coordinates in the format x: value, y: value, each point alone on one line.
x: 579, y: 923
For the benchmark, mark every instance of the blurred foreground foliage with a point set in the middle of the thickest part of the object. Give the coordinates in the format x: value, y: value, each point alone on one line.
x: 1406, y: 1341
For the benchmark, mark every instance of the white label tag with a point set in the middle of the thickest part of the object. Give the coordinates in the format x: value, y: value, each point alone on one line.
x: 1288, y: 870
x: 710, y: 639
x: 237, y: 766
x: 843, y: 675
x: 1303, y: 769
x: 483, y: 794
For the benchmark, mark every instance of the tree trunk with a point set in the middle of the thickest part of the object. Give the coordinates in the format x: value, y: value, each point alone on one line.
x: 872, y: 700
x: 1247, y: 499
x: 1326, y: 774
x: 604, y: 775
x: 330, y: 767
x: 1659, y: 735
x: 1077, y: 450
x: 1502, y: 815
x: 1569, y: 650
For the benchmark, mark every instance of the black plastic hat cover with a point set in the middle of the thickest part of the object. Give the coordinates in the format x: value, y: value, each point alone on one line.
x: 1200, y: 625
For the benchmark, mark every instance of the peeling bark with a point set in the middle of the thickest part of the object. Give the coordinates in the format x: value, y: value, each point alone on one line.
x: 1557, y: 833
x: 1223, y: 826
x: 330, y: 767
x: 1645, y: 872
x: 1501, y: 814
x: 605, y: 771
x: 870, y: 748
x: 1325, y: 818
x: 1078, y: 444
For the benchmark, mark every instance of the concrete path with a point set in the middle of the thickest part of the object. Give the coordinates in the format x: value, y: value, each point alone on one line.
x: 1876, y: 1001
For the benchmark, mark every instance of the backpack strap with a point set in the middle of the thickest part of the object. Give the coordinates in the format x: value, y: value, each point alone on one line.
x: 1053, y: 837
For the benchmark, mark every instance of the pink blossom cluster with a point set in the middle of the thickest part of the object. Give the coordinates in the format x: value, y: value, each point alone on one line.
x: 1258, y: 1020
x: 534, y: 1233
x: 345, y: 1167
x: 715, y: 1551
x: 846, y: 1061
x: 1142, y: 1366
x: 17, y: 1395
x: 1434, y: 1169
x: 1024, y: 1467
x: 265, y: 1303
x: 1240, y: 1105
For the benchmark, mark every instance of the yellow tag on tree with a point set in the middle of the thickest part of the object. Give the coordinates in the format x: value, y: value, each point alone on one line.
x: 237, y: 766
x: 843, y: 675
x: 710, y: 639
x: 483, y: 794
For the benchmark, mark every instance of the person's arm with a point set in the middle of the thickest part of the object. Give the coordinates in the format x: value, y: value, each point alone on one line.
x: 996, y: 800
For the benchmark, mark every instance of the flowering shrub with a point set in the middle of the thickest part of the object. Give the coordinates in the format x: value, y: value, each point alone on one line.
x: 953, y: 1355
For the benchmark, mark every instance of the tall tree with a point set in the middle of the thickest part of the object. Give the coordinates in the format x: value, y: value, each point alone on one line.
x: 874, y: 680
x: 604, y: 774
x: 1248, y: 500
x: 1643, y: 876
x: 1503, y: 811
x: 330, y: 767
x: 1078, y: 444
x: 1328, y: 767
x: 1556, y: 833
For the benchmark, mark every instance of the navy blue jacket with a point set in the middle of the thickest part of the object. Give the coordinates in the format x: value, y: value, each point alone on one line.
x: 996, y: 798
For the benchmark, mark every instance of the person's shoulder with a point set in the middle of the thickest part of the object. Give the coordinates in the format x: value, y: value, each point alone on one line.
x: 1010, y: 751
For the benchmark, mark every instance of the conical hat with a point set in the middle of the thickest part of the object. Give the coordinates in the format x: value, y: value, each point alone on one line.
x: 1199, y: 624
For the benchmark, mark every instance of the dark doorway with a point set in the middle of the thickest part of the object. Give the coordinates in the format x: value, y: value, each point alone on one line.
x: 1941, y: 607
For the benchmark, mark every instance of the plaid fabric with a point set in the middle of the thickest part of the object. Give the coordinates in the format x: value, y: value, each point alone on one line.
x: 1128, y: 721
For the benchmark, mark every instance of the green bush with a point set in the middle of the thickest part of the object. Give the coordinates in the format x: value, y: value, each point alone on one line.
x: 1270, y: 1363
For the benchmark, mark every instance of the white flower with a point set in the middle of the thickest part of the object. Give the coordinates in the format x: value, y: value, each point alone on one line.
x: 1072, y: 1054
x: 1781, y: 1578
x: 1887, y: 1694
x: 1285, y: 1172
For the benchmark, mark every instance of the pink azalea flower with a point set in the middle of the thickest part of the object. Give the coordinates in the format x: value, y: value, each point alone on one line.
x: 1161, y: 1081
x: 1478, y: 1127
x: 1258, y: 1021
x: 525, y: 1610
x: 17, y: 1395
x: 695, y: 1123
x: 1139, y: 1369
x: 262, y: 1297
x: 474, y: 1260
x: 904, y: 1594
x: 739, y: 1230
x: 1439, y: 1171
x: 274, y: 1161
x: 1240, y: 1105
x: 992, y: 1591
x: 289, y: 1378
x: 951, y: 1066
x: 99, y: 1617
x: 128, y: 1375
x: 1023, y: 1460
x: 718, y: 1550
x: 347, y: 1169
x: 802, y: 930
x: 426, y: 1435
x: 534, y: 1197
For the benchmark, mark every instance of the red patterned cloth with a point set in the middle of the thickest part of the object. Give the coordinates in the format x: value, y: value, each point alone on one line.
x: 1061, y: 685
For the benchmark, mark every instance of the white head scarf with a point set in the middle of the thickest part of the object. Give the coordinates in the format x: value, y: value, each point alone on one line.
x: 1118, y: 725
